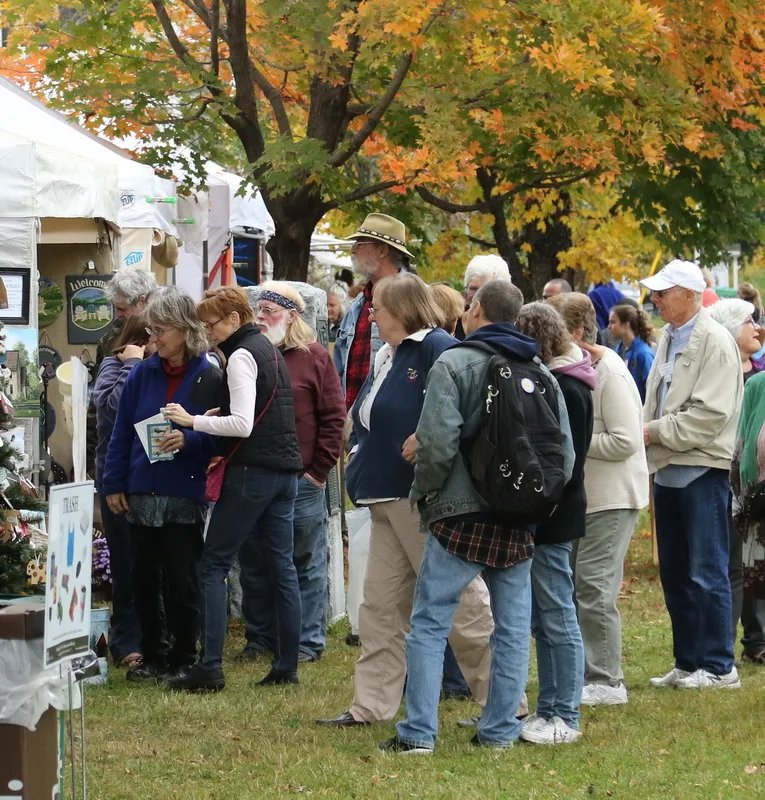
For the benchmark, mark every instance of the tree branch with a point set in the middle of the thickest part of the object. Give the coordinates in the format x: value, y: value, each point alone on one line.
x: 482, y: 242
x: 447, y: 205
x: 365, y: 191
x: 214, y: 34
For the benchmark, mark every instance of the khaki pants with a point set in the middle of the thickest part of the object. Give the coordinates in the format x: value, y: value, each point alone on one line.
x: 395, y: 553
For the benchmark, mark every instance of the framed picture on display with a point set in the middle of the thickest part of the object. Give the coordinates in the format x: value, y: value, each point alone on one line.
x: 14, y: 296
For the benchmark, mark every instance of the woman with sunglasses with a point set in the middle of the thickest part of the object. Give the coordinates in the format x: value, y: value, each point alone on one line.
x: 164, y: 499
x: 255, y: 427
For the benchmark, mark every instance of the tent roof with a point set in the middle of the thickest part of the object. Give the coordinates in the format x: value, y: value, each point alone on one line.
x: 70, y: 149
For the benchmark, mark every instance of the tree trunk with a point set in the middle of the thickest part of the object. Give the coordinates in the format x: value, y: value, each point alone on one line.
x: 545, y: 247
x: 290, y: 246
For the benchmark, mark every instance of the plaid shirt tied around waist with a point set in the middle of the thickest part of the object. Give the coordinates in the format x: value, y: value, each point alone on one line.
x: 360, y: 354
x: 484, y: 542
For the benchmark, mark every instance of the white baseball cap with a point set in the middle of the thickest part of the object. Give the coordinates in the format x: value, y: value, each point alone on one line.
x: 685, y: 274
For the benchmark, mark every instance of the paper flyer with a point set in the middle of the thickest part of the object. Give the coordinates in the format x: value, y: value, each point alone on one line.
x: 70, y: 557
x: 150, y: 431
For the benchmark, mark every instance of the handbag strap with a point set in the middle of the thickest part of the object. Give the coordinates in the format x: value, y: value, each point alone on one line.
x: 265, y: 408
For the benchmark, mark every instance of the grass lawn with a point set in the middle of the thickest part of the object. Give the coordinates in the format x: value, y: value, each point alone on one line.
x: 248, y: 742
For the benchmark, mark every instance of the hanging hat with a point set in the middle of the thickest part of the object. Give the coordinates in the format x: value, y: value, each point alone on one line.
x: 165, y: 252
x: 383, y: 228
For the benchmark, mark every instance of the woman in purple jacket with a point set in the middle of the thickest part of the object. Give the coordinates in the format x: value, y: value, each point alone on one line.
x: 129, y: 349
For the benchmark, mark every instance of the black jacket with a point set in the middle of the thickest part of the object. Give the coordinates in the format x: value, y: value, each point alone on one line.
x: 273, y: 443
x: 569, y: 520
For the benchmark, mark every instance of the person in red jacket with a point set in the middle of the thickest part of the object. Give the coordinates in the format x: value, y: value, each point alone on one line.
x: 320, y: 416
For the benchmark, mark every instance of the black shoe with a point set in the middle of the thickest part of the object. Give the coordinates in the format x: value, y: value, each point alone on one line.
x: 352, y: 640
x: 345, y: 720
x: 395, y: 745
x: 176, y: 672
x: 252, y: 654
x: 146, y: 673
x: 276, y: 678
x: 476, y: 742
x: 308, y: 658
x: 198, y: 679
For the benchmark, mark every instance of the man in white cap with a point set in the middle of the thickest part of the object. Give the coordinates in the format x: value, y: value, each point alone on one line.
x: 379, y: 250
x: 693, y: 399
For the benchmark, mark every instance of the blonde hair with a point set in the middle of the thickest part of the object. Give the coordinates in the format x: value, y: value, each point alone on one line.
x: 451, y: 303
x: 299, y: 333
x: 577, y: 311
x: 410, y: 300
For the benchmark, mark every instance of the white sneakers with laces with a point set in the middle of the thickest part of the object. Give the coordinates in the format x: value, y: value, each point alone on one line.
x: 603, y: 694
x: 539, y: 730
x: 701, y: 679
x: 671, y: 678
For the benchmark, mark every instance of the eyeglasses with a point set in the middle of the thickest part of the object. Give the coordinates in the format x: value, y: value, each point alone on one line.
x: 267, y: 310
x: 356, y: 245
x: 157, y: 333
x: 662, y: 292
x: 210, y: 325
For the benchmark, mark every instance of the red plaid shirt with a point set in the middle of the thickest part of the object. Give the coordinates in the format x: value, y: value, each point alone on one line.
x: 484, y: 542
x: 357, y: 368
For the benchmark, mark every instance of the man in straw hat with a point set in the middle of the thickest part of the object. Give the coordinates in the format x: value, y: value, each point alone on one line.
x: 379, y: 250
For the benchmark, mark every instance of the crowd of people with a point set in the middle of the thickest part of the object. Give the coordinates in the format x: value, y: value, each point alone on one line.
x: 503, y: 450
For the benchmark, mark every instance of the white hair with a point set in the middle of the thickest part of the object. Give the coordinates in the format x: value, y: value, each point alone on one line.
x: 487, y: 268
x: 732, y: 314
x: 131, y: 283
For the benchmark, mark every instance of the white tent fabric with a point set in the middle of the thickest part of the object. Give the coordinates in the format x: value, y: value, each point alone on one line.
x: 41, y: 180
x: 244, y: 212
x: 17, y: 241
x: 29, y: 119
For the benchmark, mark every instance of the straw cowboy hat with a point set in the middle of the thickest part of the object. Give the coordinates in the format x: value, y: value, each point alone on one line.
x: 384, y: 229
x: 164, y: 249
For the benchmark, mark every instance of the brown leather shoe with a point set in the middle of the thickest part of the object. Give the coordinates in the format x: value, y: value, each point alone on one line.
x: 345, y: 720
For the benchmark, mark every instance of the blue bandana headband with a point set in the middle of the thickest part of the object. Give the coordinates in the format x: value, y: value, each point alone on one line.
x: 279, y: 299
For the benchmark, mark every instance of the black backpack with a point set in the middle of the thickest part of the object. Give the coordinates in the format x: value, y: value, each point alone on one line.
x: 515, y: 459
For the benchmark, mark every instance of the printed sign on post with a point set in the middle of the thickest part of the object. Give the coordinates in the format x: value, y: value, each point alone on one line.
x: 70, y: 556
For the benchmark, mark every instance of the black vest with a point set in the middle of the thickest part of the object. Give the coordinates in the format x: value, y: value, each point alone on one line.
x: 273, y: 443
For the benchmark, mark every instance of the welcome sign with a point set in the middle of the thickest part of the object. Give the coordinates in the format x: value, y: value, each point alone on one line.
x: 89, y: 311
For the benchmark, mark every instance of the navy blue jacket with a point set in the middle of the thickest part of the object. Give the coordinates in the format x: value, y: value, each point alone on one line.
x: 127, y: 468
x: 378, y: 469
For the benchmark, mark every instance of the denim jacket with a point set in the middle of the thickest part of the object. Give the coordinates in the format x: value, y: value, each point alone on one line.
x: 347, y: 332
x: 452, y: 410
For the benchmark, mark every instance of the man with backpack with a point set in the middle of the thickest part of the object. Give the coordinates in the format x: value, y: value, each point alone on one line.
x: 494, y: 453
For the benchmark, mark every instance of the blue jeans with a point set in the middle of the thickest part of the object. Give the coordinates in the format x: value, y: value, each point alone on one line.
x: 310, y: 557
x: 554, y: 626
x: 125, y: 627
x: 693, y: 538
x: 255, y: 503
x: 439, y: 585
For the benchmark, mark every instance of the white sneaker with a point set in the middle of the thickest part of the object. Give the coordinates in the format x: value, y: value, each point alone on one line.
x: 701, y: 679
x: 563, y: 733
x: 602, y: 694
x: 671, y: 678
x: 537, y: 730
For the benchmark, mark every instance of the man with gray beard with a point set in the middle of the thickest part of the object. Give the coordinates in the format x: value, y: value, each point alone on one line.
x: 379, y: 250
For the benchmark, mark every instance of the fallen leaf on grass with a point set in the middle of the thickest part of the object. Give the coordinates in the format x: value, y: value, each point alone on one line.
x: 662, y: 752
x: 380, y: 778
x: 365, y: 759
x: 292, y: 788
x: 753, y: 769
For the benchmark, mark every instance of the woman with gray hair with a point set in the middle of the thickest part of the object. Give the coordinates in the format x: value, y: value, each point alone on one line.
x: 163, y: 494
x: 738, y: 317
x: 337, y: 308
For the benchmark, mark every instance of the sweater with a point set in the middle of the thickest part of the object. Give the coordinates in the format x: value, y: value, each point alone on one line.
x: 377, y: 468
x: 272, y: 443
x: 127, y: 468
x: 576, y: 378
x: 319, y: 408
x: 616, y: 473
x: 106, y: 397
x: 701, y: 408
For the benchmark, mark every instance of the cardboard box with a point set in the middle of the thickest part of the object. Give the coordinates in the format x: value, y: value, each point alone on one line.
x: 29, y: 761
x: 22, y: 621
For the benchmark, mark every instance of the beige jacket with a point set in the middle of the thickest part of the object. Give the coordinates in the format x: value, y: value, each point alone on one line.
x: 702, y: 406
x: 615, y: 472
